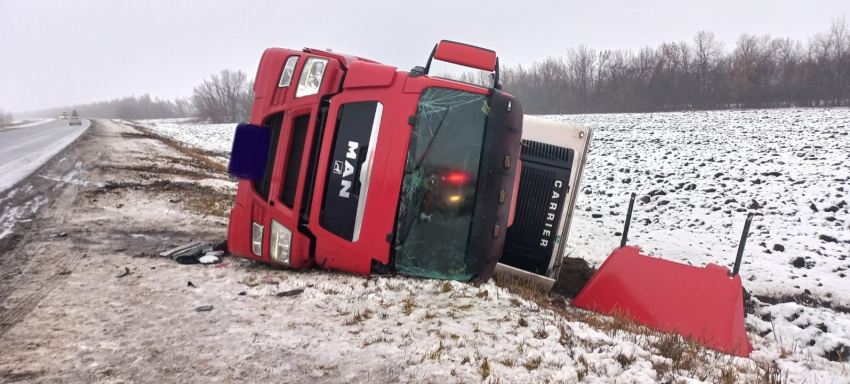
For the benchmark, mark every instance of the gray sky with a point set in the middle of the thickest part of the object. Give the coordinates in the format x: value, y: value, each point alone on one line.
x: 59, y: 52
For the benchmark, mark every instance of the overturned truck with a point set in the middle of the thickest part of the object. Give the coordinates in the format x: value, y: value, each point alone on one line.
x: 353, y: 165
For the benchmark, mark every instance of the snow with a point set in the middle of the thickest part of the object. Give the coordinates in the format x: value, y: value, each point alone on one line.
x: 20, y: 213
x: 28, y: 123
x: 730, y: 156
x: 210, y: 137
x: 405, y: 320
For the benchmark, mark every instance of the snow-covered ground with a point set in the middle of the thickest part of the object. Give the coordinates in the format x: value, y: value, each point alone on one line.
x: 210, y: 137
x: 702, y: 172
x: 28, y: 123
x: 708, y: 167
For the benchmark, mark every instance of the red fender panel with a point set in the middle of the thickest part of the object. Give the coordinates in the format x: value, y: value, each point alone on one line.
x: 705, y: 304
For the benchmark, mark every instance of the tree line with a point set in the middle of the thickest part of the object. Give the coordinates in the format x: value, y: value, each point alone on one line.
x: 128, y: 108
x: 222, y: 98
x: 759, y: 72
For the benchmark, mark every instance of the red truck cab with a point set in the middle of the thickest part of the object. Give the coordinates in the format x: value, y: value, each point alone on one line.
x: 369, y: 169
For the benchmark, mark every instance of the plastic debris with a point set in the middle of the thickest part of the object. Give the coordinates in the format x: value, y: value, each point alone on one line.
x: 126, y: 272
x: 191, y: 285
x: 205, y: 308
x: 173, y: 251
x: 209, y: 259
x: 197, y: 252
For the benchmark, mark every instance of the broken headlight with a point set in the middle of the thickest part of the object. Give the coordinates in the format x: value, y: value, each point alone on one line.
x: 311, y: 77
x: 257, y: 239
x: 281, y: 243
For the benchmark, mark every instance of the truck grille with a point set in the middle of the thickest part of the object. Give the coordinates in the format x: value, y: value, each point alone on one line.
x: 543, y: 185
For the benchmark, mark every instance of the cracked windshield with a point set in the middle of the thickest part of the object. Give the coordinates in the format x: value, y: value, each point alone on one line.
x: 438, y: 188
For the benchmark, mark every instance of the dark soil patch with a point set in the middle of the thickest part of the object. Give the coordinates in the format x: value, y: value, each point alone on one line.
x: 804, y: 298
x: 202, y: 199
x: 575, y: 273
x: 189, y: 174
x: 841, y: 354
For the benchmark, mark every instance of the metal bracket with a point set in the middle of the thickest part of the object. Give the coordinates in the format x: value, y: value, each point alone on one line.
x: 741, y: 245
x: 625, y: 236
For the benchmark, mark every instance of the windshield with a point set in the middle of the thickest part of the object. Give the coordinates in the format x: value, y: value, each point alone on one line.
x: 438, y: 189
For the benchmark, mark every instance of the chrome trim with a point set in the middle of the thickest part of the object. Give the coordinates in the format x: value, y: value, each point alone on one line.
x: 366, y: 171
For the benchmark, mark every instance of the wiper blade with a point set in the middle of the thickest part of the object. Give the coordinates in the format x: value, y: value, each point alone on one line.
x: 430, y: 142
x: 416, y: 168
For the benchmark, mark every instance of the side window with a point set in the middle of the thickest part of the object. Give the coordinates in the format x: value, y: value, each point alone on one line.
x: 273, y: 122
x: 293, y: 160
x: 288, y: 71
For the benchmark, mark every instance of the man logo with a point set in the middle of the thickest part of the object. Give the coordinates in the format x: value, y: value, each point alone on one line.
x: 338, y: 167
x: 349, y: 168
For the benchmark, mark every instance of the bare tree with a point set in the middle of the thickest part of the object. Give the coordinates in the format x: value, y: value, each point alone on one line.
x: 224, y: 98
x: 707, y: 50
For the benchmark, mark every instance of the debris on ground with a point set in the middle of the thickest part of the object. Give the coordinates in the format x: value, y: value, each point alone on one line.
x: 197, y: 252
x: 180, y: 249
x: 191, y: 285
x: 125, y: 273
x: 205, y: 308
x: 209, y: 258
x: 294, y: 292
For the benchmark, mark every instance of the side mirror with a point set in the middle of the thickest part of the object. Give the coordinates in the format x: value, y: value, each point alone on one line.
x: 467, y: 56
x: 250, y: 152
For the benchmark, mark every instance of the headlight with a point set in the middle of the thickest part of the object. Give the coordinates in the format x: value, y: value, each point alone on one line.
x: 288, y: 70
x: 257, y: 239
x: 311, y: 77
x: 281, y: 243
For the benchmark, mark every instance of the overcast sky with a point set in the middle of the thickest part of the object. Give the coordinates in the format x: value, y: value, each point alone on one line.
x: 59, y: 52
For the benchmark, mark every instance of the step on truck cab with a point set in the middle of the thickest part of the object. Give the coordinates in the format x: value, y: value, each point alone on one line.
x: 356, y: 166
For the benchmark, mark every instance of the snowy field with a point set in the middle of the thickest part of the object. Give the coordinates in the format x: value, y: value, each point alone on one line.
x: 700, y: 173
x: 697, y: 175
x: 216, y: 138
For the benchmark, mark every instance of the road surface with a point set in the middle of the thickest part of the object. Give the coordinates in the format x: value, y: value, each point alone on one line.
x: 23, y: 150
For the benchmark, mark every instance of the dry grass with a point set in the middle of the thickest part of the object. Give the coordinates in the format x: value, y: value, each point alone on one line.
x: 408, y: 305
x: 508, y: 363
x: 214, y: 205
x: 485, y: 369
x: 522, y: 322
x: 533, y: 364
x: 683, y: 357
x: 525, y: 288
x: 541, y: 332
x: 446, y: 287
x: 359, y: 317
x: 196, y: 154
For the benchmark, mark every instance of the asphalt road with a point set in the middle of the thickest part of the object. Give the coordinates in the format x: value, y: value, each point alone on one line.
x: 23, y: 150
